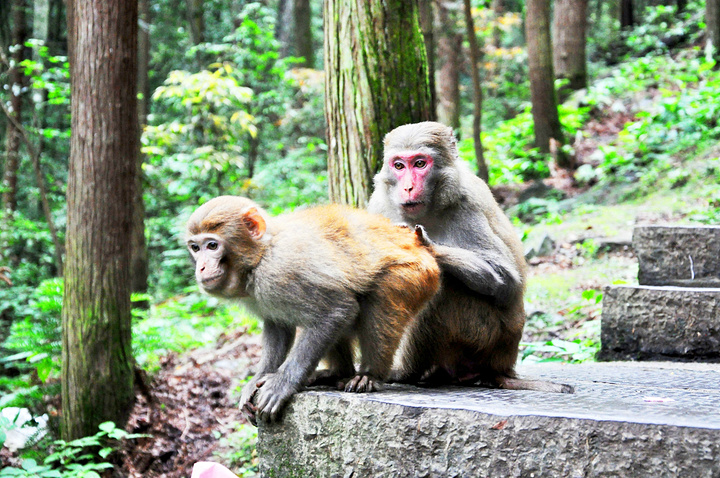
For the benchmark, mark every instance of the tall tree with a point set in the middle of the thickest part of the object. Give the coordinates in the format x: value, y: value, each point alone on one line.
x: 569, y: 40
x: 376, y: 79
x: 294, y: 30
x: 139, y: 261
x: 546, y: 119
x: 15, y: 84
x: 712, y: 21
x: 196, y: 21
x: 448, y: 78
x: 627, y: 17
x: 475, y: 59
x: 97, y: 378
x: 427, y: 27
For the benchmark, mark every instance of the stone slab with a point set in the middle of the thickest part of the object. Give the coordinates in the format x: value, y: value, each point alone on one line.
x: 660, y: 323
x: 686, y: 256
x: 625, y: 419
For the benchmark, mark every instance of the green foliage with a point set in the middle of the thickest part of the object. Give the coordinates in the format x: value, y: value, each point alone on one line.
x: 82, y: 458
x: 240, y: 457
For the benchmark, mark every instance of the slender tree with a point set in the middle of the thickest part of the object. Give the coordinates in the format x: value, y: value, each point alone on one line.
x: 627, y: 17
x: 427, y: 27
x: 569, y: 40
x: 376, y: 79
x: 712, y: 21
x: 15, y: 82
x: 448, y: 78
x: 97, y: 378
x: 196, y: 21
x: 294, y: 30
x: 475, y: 59
x: 542, y: 89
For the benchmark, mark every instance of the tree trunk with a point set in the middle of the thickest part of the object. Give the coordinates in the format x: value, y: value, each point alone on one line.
x: 375, y: 81
x: 196, y: 21
x: 15, y: 80
x: 97, y: 378
x: 294, y: 31
x: 498, y: 10
x: 569, y: 39
x: 627, y: 19
x: 475, y: 59
x: 449, y: 48
x: 542, y: 89
x: 139, y: 262
x: 712, y: 20
x: 427, y: 27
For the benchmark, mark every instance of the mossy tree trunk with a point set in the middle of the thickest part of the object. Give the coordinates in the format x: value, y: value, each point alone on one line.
x: 569, y: 40
x: 546, y: 119
x: 376, y: 79
x: 449, y: 55
x: 97, y: 378
x: 712, y: 21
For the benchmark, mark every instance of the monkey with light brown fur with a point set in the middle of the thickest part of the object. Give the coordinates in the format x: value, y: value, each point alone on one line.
x: 335, y: 272
x: 471, y: 330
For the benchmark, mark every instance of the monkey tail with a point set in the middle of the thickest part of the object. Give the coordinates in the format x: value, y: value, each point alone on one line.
x: 511, y: 383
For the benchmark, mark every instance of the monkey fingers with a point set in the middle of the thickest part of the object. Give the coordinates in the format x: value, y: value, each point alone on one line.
x: 422, y: 235
x: 362, y: 383
x: 272, y: 393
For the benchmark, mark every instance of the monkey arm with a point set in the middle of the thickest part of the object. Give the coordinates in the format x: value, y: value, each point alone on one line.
x: 485, y: 272
x: 276, y: 342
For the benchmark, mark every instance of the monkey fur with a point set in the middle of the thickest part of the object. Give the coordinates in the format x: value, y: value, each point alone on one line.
x: 471, y: 330
x: 336, y: 273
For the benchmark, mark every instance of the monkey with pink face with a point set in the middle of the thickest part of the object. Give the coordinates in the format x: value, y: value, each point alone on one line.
x: 470, y: 332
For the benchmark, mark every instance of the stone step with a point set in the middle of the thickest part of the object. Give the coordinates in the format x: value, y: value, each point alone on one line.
x: 625, y: 419
x: 686, y: 256
x: 660, y: 323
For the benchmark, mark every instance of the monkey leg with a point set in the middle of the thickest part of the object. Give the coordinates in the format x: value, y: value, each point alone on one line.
x: 340, y: 366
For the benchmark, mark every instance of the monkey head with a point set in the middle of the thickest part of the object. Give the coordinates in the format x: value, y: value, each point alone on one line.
x: 225, y: 239
x: 416, y: 158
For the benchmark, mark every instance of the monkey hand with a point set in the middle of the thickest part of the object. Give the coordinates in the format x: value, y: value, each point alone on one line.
x: 422, y: 236
x: 272, y: 392
x: 246, y: 399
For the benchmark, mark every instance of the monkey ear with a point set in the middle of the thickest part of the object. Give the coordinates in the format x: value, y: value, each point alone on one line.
x: 254, y: 222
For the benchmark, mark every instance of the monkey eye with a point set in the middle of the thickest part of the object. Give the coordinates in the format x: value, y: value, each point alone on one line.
x: 398, y: 165
x: 420, y: 163
x: 212, y: 245
x: 194, y: 247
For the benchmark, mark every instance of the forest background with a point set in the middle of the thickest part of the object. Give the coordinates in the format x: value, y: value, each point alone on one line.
x: 231, y: 96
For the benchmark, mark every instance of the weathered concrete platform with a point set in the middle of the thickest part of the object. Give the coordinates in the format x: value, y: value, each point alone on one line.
x: 686, y: 256
x: 625, y: 419
x: 660, y: 323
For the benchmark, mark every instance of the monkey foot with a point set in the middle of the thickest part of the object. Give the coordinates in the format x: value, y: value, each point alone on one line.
x: 363, y: 383
x: 328, y: 378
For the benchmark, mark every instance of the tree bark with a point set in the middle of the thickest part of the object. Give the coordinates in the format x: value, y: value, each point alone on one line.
x: 15, y: 81
x: 448, y: 84
x: 712, y: 22
x: 475, y: 59
x: 139, y: 261
x: 542, y: 89
x: 97, y: 377
x: 627, y: 18
x: 196, y: 21
x: 376, y: 80
x: 427, y: 27
x: 569, y: 40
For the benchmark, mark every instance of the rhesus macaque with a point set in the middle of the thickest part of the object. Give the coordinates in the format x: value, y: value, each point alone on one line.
x: 470, y: 331
x: 335, y: 272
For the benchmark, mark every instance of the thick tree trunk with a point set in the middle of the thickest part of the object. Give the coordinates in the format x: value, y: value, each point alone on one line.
x: 376, y: 80
x: 475, y: 59
x: 15, y: 80
x: 97, y: 378
x: 139, y: 262
x: 542, y: 90
x: 449, y: 49
x: 712, y: 22
x: 569, y: 39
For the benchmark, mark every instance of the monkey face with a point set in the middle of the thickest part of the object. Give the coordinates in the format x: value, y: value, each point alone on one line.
x: 412, y: 171
x: 209, y: 252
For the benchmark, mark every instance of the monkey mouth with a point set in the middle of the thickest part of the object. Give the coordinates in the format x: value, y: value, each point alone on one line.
x: 212, y: 282
x: 412, y: 206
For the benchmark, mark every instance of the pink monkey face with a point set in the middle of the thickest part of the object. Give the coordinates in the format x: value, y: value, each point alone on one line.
x: 411, y: 171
